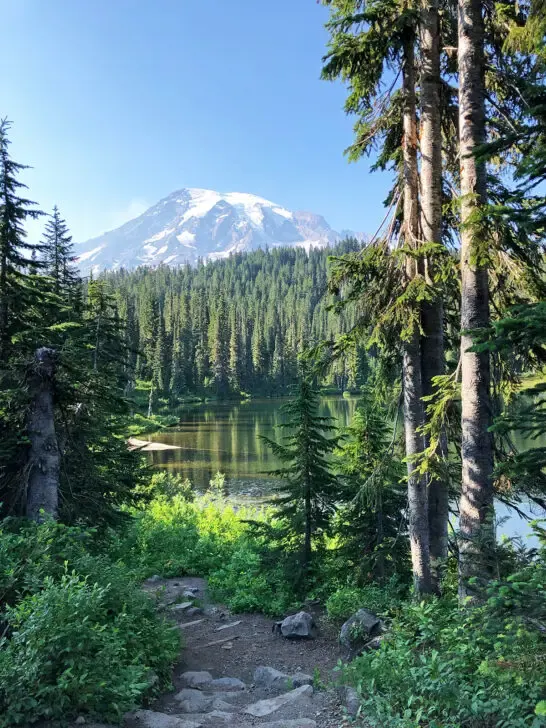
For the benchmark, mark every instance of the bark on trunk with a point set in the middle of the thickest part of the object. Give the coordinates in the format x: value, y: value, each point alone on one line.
x: 476, y: 506
x: 44, y: 456
x: 413, y: 406
x: 432, y: 315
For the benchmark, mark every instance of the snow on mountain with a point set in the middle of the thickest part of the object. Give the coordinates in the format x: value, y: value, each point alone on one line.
x: 193, y: 224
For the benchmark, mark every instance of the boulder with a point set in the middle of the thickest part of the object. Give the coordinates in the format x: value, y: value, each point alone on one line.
x: 196, y: 679
x: 300, y: 678
x: 266, y: 707
x: 295, y: 723
x: 151, y: 719
x: 357, y: 631
x: 192, y: 611
x: 298, y: 626
x: 229, y: 684
x: 351, y: 701
x: 182, y: 606
x: 221, y: 715
x: 268, y: 677
x: 193, y: 701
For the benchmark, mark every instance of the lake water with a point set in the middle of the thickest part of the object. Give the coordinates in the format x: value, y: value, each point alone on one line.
x: 225, y: 437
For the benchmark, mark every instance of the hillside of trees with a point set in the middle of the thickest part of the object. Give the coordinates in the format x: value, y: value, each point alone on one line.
x: 233, y: 326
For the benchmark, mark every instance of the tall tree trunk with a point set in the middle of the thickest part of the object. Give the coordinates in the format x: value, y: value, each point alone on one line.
x: 432, y: 313
x: 413, y: 406
x: 44, y: 455
x: 476, y: 506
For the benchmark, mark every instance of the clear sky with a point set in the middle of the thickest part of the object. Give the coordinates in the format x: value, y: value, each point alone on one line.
x: 117, y: 103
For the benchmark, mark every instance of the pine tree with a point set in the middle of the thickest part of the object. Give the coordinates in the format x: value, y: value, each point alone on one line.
x: 58, y: 255
x: 308, y: 491
x: 235, y: 352
x: 219, y: 338
x: 432, y: 311
x: 14, y: 211
x: 371, y: 498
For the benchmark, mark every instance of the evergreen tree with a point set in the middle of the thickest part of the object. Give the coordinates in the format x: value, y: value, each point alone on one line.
x: 308, y: 491
x: 15, y: 292
x: 58, y: 255
x: 235, y: 352
x: 219, y: 338
x: 369, y: 520
x: 476, y: 505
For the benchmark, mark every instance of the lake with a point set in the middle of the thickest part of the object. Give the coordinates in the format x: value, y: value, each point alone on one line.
x: 225, y: 437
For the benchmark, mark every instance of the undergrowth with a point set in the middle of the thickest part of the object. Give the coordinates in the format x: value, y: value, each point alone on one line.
x: 80, y: 636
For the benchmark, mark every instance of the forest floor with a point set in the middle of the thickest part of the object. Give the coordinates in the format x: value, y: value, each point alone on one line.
x: 232, y: 646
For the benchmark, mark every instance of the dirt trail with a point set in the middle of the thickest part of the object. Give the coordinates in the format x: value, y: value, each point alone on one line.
x: 248, y: 642
x: 231, y: 647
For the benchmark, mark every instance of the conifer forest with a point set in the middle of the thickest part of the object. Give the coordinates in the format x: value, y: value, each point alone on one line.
x: 386, y: 532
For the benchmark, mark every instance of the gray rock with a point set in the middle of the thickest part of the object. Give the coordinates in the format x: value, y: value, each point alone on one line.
x: 269, y: 677
x: 182, y: 606
x: 190, y: 592
x: 221, y: 705
x: 192, y: 611
x: 352, y: 701
x: 196, y: 679
x: 266, y: 707
x: 193, y: 701
x: 299, y: 626
x: 228, y: 684
x: 300, y: 678
x: 295, y: 723
x: 358, y: 630
x: 151, y: 719
x: 221, y: 715
x: 373, y: 644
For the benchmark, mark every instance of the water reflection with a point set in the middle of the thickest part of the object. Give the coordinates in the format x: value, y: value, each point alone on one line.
x: 225, y: 437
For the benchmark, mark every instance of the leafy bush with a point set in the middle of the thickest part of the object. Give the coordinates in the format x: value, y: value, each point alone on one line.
x: 442, y: 666
x: 246, y: 586
x: 80, y: 634
x: 170, y: 485
x: 381, y: 599
x: 209, y: 538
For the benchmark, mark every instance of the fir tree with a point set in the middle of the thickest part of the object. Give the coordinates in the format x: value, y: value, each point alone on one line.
x: 15, y: 292
x: 370, y: 467
x: 308, y: 491
x: 58, y: 255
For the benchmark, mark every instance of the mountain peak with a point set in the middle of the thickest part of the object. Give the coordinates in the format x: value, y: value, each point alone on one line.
x: 194, y: 223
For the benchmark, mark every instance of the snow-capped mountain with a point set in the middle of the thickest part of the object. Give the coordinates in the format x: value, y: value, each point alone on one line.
x: 193, y: 223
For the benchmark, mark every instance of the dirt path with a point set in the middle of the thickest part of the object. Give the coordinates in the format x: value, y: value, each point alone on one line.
x: 215, y: 681
x: 244, y: 642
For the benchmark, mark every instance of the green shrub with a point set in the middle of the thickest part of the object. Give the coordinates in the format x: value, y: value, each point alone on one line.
x: 81, y: 636
x: 170, y: 485
x: 209, y: 538
x: 245, y: 585
x: 446, y: 667
x: 381, y: 599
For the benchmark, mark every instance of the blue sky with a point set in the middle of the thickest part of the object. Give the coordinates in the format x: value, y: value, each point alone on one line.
x: 117, y: 103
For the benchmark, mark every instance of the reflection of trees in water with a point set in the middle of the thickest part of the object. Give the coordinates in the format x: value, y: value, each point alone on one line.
x: 226, y: 437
